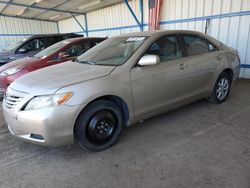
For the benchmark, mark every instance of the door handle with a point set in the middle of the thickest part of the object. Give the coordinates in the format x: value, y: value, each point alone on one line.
x: 183, y: 66
x: 219, y: 57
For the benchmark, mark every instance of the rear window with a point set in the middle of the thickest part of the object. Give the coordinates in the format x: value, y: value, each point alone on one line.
x: 195, y: 45
x: 53, y: 40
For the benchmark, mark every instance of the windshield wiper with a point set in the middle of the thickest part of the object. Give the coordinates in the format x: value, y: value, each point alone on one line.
x: 85, y: 62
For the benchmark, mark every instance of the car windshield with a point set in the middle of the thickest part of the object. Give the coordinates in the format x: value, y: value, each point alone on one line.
x: 112, y: 52
x: 15, y: 45
x: 50, y: 50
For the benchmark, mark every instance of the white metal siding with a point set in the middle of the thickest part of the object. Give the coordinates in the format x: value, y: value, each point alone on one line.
x: 15, y: 29
x: 110, y: 17
x: 70, y: 25
x: 113, y: 16
x: 233, y: 31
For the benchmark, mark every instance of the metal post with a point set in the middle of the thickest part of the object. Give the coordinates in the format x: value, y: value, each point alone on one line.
x: 133, y: 14
x: 79, y: 24
x: 141, y: 14
x: 57, y: 24
x: 207, y: 25
x: 86, y: 25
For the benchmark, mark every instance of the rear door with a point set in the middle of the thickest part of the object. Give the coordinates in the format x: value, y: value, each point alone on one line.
x: 203, y: 56
x: 160, y: 87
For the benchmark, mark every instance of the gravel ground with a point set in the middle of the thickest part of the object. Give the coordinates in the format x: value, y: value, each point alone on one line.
x: 199, y: 145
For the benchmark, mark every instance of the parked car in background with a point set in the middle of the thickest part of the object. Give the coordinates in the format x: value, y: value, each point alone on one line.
x: 119, y: 82
x: 57, y: 53
x: 32, y: 45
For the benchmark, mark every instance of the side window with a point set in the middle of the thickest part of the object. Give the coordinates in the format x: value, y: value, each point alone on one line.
x: 59, y: 38
x: 51, y: 40
x: 33, y: 45
x: 78, y: 49
x: 195, y: 45
x: 167, y: 48
x: 212, y: 47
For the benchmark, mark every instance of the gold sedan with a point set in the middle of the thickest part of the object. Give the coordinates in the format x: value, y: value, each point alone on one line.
x: 117, y: 83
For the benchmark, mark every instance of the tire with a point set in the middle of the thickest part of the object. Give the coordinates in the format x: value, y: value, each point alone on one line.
x: 98, y: 126
x: 221, y: 88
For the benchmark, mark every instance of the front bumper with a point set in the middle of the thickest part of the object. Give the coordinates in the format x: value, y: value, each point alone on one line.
x: 48, y: 127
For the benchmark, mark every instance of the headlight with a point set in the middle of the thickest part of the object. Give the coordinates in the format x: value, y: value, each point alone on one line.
x: 10, y: 71
x: 47, y: 101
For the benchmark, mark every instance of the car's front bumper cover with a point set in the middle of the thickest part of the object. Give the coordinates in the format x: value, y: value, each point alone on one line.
x: 49, y: 126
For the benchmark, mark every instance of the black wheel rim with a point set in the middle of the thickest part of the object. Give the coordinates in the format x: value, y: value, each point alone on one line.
x: 101, y: 127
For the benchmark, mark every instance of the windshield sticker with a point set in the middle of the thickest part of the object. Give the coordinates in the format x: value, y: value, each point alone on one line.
x: 135, y: 39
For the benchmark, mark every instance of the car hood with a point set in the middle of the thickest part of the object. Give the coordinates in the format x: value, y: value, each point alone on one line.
x: 20, y: 63
x: 49, y: 80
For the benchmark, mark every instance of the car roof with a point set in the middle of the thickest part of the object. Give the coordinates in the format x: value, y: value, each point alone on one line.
x: 54, y: 35
x: 159, y: 32
x: 70, y: 40
x: 162, y: 32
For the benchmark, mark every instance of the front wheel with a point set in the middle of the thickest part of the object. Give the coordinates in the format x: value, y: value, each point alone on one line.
x: 99, y: 125
x: 221, y: 88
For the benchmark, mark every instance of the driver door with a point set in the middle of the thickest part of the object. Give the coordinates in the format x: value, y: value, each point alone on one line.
x: 160, y: 87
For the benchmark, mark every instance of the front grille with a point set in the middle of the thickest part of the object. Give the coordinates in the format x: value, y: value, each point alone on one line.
x: 11, y: 101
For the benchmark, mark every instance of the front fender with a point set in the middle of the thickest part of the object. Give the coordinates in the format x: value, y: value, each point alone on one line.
x: 114, y: 84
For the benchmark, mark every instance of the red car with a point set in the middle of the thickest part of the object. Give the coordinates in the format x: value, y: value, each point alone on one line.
x: 57, y: 53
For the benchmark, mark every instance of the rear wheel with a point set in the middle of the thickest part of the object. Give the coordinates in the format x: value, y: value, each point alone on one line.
x: 99, y: 125
x: 221, y: 88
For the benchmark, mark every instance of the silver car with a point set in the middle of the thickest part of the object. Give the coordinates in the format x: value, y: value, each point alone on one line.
x: 119, y: 82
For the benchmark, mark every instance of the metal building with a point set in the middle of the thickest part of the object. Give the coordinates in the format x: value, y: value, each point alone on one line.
x: 160, y: 103
x: 15, y: 29
x: 226, y: 20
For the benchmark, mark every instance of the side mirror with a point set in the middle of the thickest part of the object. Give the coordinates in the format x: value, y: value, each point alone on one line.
x: 62, y: 55
x: 149, y: 60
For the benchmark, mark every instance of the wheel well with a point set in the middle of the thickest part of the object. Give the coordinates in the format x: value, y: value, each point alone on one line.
x: 229, y: 72
x: 120, y: 103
